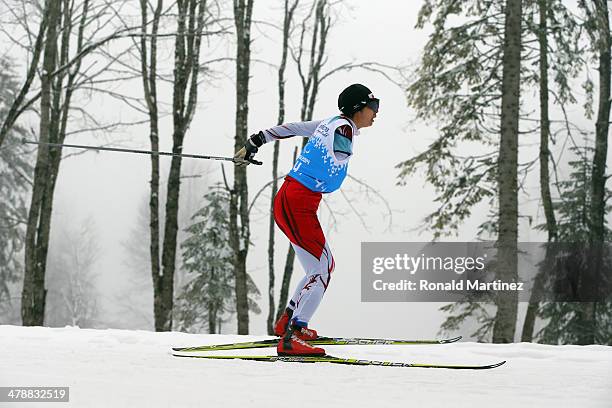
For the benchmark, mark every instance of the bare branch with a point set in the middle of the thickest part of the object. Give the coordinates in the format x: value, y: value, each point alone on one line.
x: 377, y: 193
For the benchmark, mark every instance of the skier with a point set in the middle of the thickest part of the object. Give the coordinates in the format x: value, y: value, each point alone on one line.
x: 320, y: 168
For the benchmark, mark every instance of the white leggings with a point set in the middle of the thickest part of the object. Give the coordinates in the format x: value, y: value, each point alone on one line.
x: 310, y: 290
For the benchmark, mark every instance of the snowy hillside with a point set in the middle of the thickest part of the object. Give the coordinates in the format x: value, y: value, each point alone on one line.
x: 119, y: 368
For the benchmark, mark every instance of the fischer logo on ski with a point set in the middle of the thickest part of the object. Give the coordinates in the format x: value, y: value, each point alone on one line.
x: 320, y: 341
x: 344, y: 361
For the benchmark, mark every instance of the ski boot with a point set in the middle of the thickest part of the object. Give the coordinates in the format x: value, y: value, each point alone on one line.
x: 280, y: 328
x: 292, y: 345
x: 303, y: 332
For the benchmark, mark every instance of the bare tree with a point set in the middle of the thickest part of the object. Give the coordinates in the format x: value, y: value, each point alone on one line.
x: 310, y: 61
x: 92, y: 17
x: 17, y: 106
x: 39, y: 221
x: 148, y: 64
x: 289, y: 9
x: 65, y: 22
x: 70, y: 32
x: 287, y: 270
x: 240, y: 234
x: 190, y: 26
x: 192, y: 19
x: 310, y: 72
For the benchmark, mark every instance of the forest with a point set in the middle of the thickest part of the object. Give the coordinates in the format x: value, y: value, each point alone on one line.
x: 514, y: 94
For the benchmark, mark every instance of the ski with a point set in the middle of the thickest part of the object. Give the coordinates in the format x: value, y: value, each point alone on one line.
x: 345, y: 361
x: 320, y: 341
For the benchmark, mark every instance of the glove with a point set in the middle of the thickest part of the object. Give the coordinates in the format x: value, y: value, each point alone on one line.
x: 246, y: 155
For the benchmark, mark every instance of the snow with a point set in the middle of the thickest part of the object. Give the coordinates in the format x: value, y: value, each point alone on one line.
x: 123, y: 368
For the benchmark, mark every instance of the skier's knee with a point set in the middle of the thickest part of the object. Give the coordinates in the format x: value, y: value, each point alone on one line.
x: 325, y: 279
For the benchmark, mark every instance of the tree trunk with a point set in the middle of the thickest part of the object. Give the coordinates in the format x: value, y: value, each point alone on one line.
x: 186, y: 68
x: 212, y: 318
x: 271, y: 230
x: 36, y: 242
x: 288, y: 272
x: 598, y: 177
x: 148, y: 64
x: 505, y: 319
x: 240, y: 234
x: 551, y: 224
x: 284, y: 293
x: 212, y: 304
x: 56, y: 97
x: 164, y: 293
x: 281, y: 119
x: 310, y: 88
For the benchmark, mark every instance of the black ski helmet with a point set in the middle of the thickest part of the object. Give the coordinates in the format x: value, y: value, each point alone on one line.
x: 354, y: 98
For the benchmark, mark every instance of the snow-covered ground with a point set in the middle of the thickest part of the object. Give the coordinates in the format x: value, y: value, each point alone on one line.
x: 120, y: 368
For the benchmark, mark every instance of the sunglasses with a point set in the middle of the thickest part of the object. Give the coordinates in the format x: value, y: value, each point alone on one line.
x: 373, y: 104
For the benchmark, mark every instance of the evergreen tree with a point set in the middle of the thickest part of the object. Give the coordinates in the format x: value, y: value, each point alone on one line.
x: 15, y: 174
x: 459, y: 86
x: 564, y: 321
x: 584, y: 207
x: 208, y: 299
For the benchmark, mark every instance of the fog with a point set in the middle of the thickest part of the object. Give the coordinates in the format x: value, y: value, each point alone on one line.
x: 109, y: 189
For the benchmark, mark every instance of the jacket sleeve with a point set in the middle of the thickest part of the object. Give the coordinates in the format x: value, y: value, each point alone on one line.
x: 343, y: 141
x: 287, y: 130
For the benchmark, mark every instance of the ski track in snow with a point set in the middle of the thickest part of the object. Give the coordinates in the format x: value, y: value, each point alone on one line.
x: 122, y: 368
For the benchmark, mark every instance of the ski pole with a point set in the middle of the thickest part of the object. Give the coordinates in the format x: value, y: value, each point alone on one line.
x: 149, y: 152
